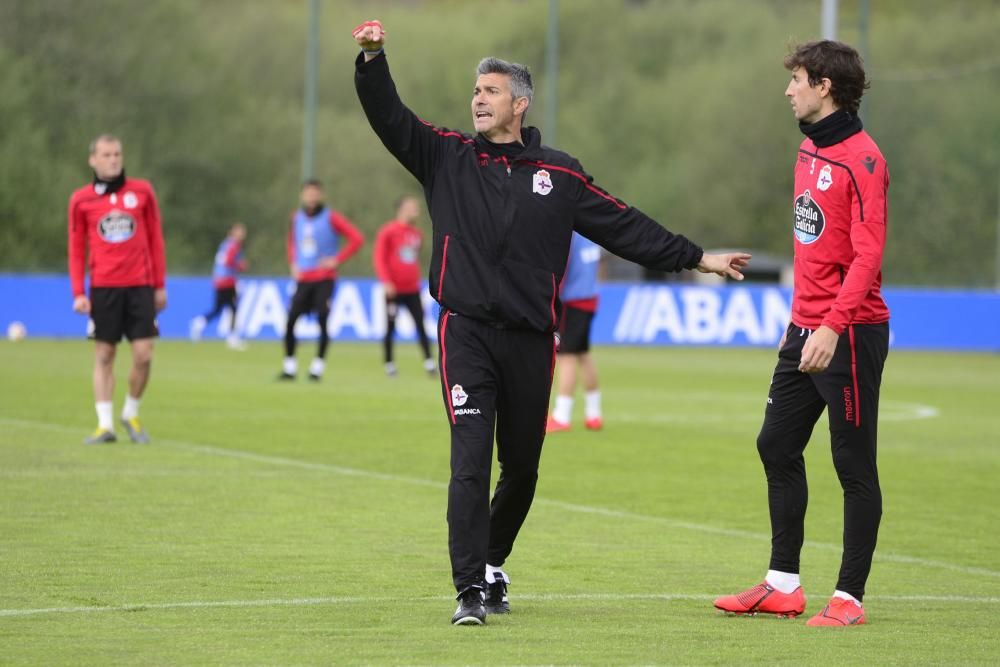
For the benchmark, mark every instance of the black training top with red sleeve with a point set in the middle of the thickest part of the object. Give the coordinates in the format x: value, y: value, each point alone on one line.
x: 121, y: 227
x: 503, y: 215
x: 839, y: 223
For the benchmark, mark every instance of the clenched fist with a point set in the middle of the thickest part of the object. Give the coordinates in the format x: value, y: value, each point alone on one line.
x: 370, y: 36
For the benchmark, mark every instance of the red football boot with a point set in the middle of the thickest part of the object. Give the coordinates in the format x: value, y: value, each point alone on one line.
x: 553, y: 426
x: 839, y: 613
x: 764, y: 599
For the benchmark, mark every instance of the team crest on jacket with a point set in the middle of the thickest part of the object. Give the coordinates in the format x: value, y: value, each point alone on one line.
x: 130, y: 200
x: 825, y: 179
x: 809, y: 218
x: 116, y: 227
x: 541, y: 182
x: 458, y: 395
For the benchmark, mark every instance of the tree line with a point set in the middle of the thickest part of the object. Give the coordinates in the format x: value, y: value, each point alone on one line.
x: 674, y: 106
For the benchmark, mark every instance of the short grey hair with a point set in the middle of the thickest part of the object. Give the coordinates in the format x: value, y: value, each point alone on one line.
x: 520, y: 75
x: 103, y: 138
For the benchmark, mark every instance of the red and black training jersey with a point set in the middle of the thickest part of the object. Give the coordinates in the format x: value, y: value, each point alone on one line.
x: 122, y: 232
x: 839, y: 215
x: 397, y: 256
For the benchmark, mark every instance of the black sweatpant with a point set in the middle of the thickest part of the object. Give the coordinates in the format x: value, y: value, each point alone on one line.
x: 849, y: 391
x: 412, y: 303
x: 493, y: 380
x: 311, y: 297
x: 225, y: 297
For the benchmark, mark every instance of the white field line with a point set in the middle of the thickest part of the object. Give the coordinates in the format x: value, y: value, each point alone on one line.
x: 529, y: 597
x: 569, y: 507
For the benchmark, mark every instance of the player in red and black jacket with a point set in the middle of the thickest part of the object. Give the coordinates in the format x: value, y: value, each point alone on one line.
x: 503, y: 208
x: 832, y: 355
x: 397, y: 265
x: 117, y: 219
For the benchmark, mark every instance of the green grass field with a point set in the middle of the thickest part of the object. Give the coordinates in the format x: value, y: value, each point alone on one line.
x: 305, y: 524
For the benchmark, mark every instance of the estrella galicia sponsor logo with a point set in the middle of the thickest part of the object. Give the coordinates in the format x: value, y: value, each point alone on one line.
x: 458, y: 396
x: 809, y: 219
x: 116, y: 227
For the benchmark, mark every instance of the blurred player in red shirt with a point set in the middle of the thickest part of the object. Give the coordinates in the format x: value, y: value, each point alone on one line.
x: 397, y: 265
x: 230, y: 262
x: 117, y: 220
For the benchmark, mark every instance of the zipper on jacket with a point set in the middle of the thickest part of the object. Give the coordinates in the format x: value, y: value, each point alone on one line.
x: 505, y: 231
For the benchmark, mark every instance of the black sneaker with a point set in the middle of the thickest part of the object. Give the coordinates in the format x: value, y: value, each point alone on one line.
x: 285, y: 377
x: 314, y: 377
x: 470, y: 607
x: 496, y: 593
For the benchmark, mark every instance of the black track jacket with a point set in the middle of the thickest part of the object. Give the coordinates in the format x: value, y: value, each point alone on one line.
x: 503, y: 222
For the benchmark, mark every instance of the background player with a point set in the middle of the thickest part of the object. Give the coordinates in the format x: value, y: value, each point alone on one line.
x: 229, y: 263
x: 579, y: 296
x: 117, y: 219
x: 397, y: 265
x: 314, y: 255
x: 833, y: 352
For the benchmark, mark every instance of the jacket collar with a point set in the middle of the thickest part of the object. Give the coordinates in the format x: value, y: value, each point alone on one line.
x: 833, y: 129
x: 529, y: 148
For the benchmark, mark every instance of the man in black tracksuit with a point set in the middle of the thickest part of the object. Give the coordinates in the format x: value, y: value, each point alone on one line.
x: 503, y: 209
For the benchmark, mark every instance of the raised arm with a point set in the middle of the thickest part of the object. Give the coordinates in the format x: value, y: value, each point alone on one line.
x: 413, y: 142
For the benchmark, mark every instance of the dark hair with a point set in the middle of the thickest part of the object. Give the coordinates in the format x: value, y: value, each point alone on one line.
x: 312, y: 183
x: 837, y: 62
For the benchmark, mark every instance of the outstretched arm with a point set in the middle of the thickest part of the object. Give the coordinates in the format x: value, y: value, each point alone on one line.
x: 413, y: 142
x: 632, y: 235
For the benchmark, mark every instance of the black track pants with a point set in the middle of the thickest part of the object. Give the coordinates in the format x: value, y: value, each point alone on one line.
x: 849, y: 391
x: 225, y: 297
x: 412, y: 303
x: 309, y: 297
x: 494, y: 381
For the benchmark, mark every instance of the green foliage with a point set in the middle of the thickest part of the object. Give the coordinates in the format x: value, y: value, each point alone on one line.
x: 304, y: 524
x: 674, y: 106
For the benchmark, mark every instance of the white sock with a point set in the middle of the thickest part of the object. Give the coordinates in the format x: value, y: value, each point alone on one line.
x: 317, y: 367
x: 784, y: 582
x: 105, y: 412
x: 492, y: 572
x: 592, y: 406
x: 290, y: 366
x: 429, y: 365
x: 564, y: 409
x: 131, y: 409
x: 846, y: 596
